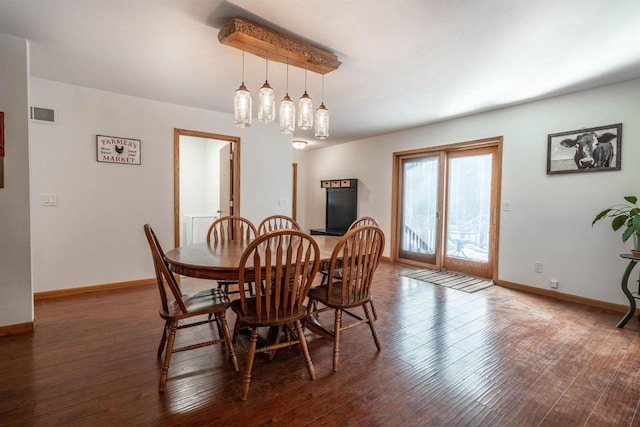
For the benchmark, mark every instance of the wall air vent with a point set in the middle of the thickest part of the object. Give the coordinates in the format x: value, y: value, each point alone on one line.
x: 43, y: 115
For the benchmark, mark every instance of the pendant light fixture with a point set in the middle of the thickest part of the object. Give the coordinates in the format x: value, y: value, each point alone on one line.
x: 322, y: 118
x: 299, y: 144
x: 266, y: 98
x: 242, y: 103
x: 287, y: 110
x: 305, y: 108
x: 276, y: 46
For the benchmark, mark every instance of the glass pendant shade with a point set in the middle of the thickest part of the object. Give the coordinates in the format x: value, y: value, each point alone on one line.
x: 305, y: 112
x: 266, y: 104
x: 287, y: 115
x: 322, y: 122
x: 242, y: 107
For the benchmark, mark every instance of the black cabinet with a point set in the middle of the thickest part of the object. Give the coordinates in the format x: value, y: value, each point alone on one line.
x: 341, y: 206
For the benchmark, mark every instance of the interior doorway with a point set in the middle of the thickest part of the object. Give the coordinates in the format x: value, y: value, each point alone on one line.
x: 206, y: 182
x: 446, y: 210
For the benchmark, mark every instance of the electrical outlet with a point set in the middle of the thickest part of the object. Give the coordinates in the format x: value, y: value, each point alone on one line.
x: 506, y: 206
x: 553, y: 283
x: 537, y: 267
x: 282, y: 202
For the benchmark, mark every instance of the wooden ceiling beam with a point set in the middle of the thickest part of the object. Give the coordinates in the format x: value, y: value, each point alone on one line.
x: 275, y: 46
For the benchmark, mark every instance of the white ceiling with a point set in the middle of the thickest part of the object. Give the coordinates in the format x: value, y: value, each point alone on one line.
x: 405, y: 63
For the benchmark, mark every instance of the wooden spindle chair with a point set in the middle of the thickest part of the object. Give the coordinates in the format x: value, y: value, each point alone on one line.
x: 286, y: 261
x: 277, y: 222
x: 359, y: 253
x: 228, y: 228
x: 363, y: 221
x: 176, y: 307
x: 360, y: 222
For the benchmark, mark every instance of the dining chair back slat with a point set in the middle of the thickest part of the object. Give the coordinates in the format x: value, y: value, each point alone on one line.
x: 164, y: 278
x: 277, y: 222
x: 228, y: 228
x: 231, y: 227
x: 337, y: 272
x: 362, y: 221
x: 358, y: 253
x: 285, y: 261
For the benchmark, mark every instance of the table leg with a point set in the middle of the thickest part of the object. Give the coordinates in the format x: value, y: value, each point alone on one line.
x: 313, y: 325
x: 273, y: 338
x: 629, y: 295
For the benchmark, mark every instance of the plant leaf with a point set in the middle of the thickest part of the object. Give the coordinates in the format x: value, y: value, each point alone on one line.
x: 636, y: 223
x: 631, y: 199
x: 601, y: 215
x: 627, y: 233
x: 618, y: 222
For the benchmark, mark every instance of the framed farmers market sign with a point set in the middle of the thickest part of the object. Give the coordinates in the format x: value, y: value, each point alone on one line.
x: 112, y: 149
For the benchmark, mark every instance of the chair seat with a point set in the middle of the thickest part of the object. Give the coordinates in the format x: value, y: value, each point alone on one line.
x: 251, y: 318
x: 208, y: 293
x: 203, y: 302
x: 319, y: 293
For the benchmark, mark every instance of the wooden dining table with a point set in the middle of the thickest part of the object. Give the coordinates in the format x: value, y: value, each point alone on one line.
x: 220, y: 261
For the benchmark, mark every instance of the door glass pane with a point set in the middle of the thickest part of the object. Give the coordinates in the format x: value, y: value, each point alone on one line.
x: 419, y: 205
x: 469, y: 207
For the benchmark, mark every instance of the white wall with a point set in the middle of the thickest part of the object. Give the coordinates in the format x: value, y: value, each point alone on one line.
x: 550, y: 216
x: 16, y: 302
x: 94, y: 236
x: 299, y: 157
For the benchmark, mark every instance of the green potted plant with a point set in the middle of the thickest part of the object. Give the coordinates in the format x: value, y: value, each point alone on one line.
x: 625, y: 215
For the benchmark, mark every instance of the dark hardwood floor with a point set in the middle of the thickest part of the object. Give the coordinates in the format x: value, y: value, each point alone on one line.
x: 497, y: 357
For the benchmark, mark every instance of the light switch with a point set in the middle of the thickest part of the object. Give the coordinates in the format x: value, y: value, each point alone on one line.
x: 49, y: 199
x: 506, y: 206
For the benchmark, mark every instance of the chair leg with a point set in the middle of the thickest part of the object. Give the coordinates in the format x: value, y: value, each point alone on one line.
x: 163, y: 340
x: 251, y: 291
x: 224, y: 286
x: 275, y: 332
x: 219, y: 326
x: 373, y: 309
x: 324, y: 280
x: 250, y: 355
x: 167, y: 354
x: 236, y: 331
x: 222, y: 323
x: 305, y: 350
x: 313, y: 310
x: 372, y: 326
x: 336, y: 338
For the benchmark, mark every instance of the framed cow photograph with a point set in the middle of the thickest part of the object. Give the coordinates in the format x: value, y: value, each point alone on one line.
x: 585, y: 150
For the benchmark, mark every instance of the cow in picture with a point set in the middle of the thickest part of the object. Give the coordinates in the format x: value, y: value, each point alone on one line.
x: 592, y: 151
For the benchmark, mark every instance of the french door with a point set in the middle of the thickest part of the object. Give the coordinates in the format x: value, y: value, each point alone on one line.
x: 420, y: 208
x: 447, y: 208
